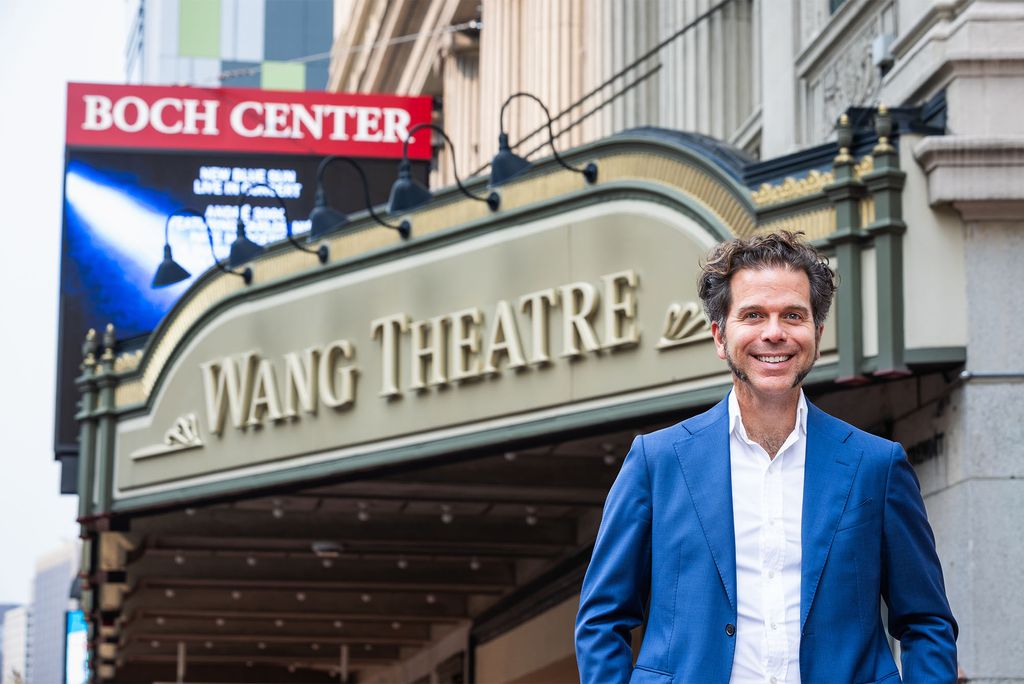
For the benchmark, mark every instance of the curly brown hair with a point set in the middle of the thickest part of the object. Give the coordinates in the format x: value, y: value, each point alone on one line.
x: 783, y: 249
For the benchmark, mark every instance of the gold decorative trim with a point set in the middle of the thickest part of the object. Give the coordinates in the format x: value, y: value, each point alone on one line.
x: 865, y: 165
x: 675, y: 174
x: 181, y: 436
x: 128, y: 361
x: 814, y: 182
x: 867, y: 211
x: 816, y: 225
x: 791, y: 188
x: 684, y: 324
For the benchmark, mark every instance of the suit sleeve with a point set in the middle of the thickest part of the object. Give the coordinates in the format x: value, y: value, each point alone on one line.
x: 617, y: 582
x: 912, y: 586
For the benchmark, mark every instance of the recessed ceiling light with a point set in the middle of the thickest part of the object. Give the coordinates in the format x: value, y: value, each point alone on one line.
x: 327, y: 549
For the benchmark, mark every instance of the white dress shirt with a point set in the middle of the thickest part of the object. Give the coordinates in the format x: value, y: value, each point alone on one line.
x: 767, y: 502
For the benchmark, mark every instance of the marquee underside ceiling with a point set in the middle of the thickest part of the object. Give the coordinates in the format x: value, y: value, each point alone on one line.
x: 385, y: 565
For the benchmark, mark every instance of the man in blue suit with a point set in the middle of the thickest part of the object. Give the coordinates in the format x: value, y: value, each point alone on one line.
x: 756, y: 540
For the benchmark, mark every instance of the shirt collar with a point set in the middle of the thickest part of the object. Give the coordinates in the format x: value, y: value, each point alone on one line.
x: 736, y: 425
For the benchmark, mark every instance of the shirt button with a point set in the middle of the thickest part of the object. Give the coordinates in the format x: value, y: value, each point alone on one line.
x: 773, y: 680
x: 730, y: 629
x: 774, y: 625
x: 771, y: 574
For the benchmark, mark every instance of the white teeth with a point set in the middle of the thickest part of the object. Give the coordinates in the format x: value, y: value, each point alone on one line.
x: 773, y: 359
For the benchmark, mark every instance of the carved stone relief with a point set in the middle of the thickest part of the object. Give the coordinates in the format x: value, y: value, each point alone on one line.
x: 848, y: 78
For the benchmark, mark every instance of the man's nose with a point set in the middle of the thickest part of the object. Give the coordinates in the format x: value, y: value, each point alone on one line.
x: 772, y: 331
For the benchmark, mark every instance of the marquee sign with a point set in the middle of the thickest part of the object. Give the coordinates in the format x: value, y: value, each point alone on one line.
x: 544, y: 318
x: 245, y: 120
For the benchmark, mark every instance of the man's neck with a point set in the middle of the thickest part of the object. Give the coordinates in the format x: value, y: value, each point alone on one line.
x: 768, y: 420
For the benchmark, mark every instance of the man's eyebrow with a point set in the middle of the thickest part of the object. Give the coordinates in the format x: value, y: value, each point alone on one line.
x: 800, y: 308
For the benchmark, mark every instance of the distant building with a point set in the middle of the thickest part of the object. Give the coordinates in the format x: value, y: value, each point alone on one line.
x: 274, y: 44
x: 4, y: 607
x: 55, y: 572
x: 15, y: 640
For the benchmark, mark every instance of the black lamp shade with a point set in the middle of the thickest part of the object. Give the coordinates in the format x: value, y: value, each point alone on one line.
x: 506, y: 164
x: 323, y: 219
x: 169, y: 271
x: 407, y: 193
x: 243, y: 249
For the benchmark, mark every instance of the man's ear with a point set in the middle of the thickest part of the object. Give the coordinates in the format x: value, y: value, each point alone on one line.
x: 719, y: 336
x: 817, y: 341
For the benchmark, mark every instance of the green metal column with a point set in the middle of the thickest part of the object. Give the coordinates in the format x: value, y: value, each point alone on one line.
x: 845, y: 193
x: 885, y: 183
x: 105, y: 421
x: 86, y: 428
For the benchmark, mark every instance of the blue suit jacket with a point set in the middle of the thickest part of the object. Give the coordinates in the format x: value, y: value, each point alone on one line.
x: 666, y: 553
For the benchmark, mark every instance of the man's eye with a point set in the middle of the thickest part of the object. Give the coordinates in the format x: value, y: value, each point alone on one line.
x: 752, y: 314
x: 794, y: 316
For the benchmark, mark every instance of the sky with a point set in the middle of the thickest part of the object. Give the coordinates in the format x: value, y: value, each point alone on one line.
x: 46, y: 43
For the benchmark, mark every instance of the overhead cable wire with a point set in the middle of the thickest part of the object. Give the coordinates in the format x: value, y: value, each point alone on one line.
x: 471, y: 25
x: 619, y: 74
x: 594, y: 110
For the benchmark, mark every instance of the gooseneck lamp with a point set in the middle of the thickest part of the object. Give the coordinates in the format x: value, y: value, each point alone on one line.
x: 321, y: 252
x: 506, y: 164
x: 407, y: 193
x: 170, y: 272
x: 325, y: 219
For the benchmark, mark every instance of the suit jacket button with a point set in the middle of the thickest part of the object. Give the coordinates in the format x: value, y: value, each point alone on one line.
x: 730, y: 629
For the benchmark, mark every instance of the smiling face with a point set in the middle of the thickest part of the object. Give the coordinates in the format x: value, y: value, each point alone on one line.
x: 769, y: 339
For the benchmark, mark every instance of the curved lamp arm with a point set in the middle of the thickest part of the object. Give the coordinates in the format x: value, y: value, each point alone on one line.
x: 403, y: 228
x: 245, y: 274
x: 321, y: 252
x: 493, y: 200
x: 589, y: 171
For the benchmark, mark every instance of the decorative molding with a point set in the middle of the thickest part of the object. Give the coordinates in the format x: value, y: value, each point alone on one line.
x: 792, y: 188
x: 127, y: 362
x: 684, y: 324
x: 811, y: 184
x: 982, y: 177
x: 815, y: 225
x: 181, y: 436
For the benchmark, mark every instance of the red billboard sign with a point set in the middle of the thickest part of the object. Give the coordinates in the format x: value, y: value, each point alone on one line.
x: 245, y: 120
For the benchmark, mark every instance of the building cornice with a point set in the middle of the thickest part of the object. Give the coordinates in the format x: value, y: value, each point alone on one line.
x: 982, y: 177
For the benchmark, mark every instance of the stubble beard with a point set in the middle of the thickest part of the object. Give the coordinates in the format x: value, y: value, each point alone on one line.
x: 743, y: 377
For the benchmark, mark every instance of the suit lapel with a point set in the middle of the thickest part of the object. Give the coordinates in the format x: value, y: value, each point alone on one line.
x: 704, y: 458
x: 830, y: 467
